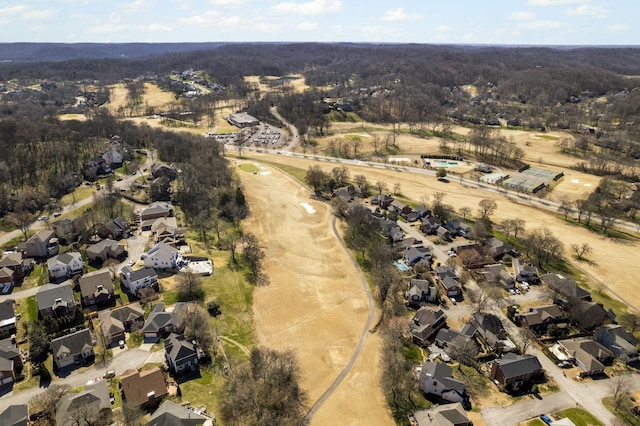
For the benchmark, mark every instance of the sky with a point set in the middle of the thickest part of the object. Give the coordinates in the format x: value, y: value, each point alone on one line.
x: 504, y: 22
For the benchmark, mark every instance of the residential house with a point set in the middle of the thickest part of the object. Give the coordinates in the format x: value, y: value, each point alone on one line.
x: 116, y: 229
x: 14, y: 266
x: 430, y: 225
x: 72, y: 348
x: 6, y: 278
x: 101, y: 251
x: 496, y: 275
x: 56, y: 299
x: 163, y: 170
x: 15, y: 415
x: 92, y: 403
x: 10, y: 360
x: 457, y: 227
x: 448, y: 281
x: 497, y: 248
x: 587, y: 354
x: 180, y: 353
x: 436, y: 379
x: 114, y: 323
x: 163, y: 232
x: 425, y: 325
x: 411, y: 217
x: 114, y: 154
x: 515, y: 371
x: 449, y: 339
x: 381, y: 200
x: 65, y: 230
x: 538, y: 319
x: 160, y: 323
x: 565, y: 287
x: 143, y: 388
x: 442, y: 415
x: 95, y: 167
x: 400, y: 207
x: 491, y: 332
x: 65, y: 265
x: 7, y: 318
x: 43, y: 244
x: 347, y: 193
x: 162, y: 256
x: 422, y: 211
x: 390, y: 230
x: 443, y: 233
x: 525, y: 273
x: 171, y: 414
x: 97, y: 289
x: 473, y: 256
x: 414, y: 254
x: 618, y: 340
x: 155, y: 210
x: 421, y: 291
x: 134, y: 280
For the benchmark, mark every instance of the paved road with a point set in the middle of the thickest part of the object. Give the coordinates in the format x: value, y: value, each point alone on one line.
x: 365, y: 331
x: 131, y: 358
x: 295, y: 137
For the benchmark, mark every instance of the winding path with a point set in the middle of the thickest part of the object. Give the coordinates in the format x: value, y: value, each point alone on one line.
x: 347, y: 368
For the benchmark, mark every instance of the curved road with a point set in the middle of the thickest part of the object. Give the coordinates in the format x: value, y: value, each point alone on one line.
x: 295, y: 137
x: 347, y: 368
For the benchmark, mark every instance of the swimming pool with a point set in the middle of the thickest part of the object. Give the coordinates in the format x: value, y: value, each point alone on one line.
x: 445, y: 163
x: 401, y: 266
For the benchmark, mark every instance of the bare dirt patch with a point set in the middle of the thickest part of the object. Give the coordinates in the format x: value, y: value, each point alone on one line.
x: 314, y: 303
x: 614, y: 261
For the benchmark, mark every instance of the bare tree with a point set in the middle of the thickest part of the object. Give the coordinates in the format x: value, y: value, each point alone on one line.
x: 565, y: 207
x: 396, y: 188
x: 464, y: 212
x: 518, y: 226
x: 45, y: 402
x: 630, y: 321
x: 193, y: 319
x: 381, y: 186
x: 189, y: 286
x: 464, y: 350
x: 620, y: 388
x: 253, y: 254
x: 526, y: 339
x: 22, y: 219
x: 486, y: 208
x: 363, y: 184
x: 581, y: 249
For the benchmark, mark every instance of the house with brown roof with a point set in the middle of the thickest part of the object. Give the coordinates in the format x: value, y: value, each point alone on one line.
x: 116, y: 322
x: 587, y: 354
x: 72, y: 348
x: 144, y: 388
x: 97, y: 288
x: 539, y: 318
x: 14, y: 267
x: 156, y: 210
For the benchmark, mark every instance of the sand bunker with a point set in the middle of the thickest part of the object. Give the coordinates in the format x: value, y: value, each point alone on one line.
x: 308, y: 207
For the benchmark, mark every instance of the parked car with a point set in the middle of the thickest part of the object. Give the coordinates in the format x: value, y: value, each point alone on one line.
x: 546, y: 419
x: 109, y: 374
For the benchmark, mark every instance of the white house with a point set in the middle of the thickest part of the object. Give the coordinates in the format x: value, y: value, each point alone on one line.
x: 162, y: 256
x: 65, y: 265
x: 134, y: 280
x: 436, y: 379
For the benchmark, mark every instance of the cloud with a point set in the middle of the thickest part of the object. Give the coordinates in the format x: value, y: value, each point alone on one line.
x: 228, y: 2
x: 314, y: 7
x: 443, y: 29
x: 204, y: 18
x: 522, y: 16
x: 399, y: 14
x: 554, y: 2
x: 306, y: 26
x: 12, y: 10
x: 111, y: 29
x: 136, y: 5
x: 586, y: 10
x: 37, y: 14
x: 536, y: 25
x: 619, y: 27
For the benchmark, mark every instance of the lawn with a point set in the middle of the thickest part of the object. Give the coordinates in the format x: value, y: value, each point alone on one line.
x: 249, y: 168
x: 36, y: 278
x: 579, y: 416
x: 28, y: 309
x: 81, y: 192
x: 626, y: 416
x: 204, y: 390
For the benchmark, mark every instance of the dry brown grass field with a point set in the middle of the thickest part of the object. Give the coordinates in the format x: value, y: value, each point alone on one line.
x: 315, y: 303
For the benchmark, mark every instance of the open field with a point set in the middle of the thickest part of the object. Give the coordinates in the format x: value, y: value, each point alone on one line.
x: 614, y: 261
x: 153, y: 97
x: 297, y: 83
x: 314, y: 303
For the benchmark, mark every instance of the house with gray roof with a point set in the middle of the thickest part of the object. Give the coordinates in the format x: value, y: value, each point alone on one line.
x: 539, y: 318
x: 97, y: 289
x: 65, y: 265
x: 162, y: 256
x: 448, y: 280
x: 425, y: 324
x: 160, y: 323
x: 414, y: 254
x: 43, y: 244
x: 491, y: 331
x: 93, y: 403
x: 72, y: 348
x: 618, y: 340
x: 180, y: 353
x: 442, y: 415
x: 56, y: 299
x: 436, y: 379
x: 7, y: 318
x: 15, y: 415
x: 565, y: 287
x: 10, y: 360
x: 525, y: 272
x: 516, y: 371
x: 421, y: 291
x: 495, y: 274
x: 171, y: 414
x: 136, y: 279
x: 104, y: 250
x: 114, y: 323
x: 447, y: 338
x: 155, y: 210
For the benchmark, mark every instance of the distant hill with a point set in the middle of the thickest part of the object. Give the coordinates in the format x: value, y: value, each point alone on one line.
x: 46, y: 52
